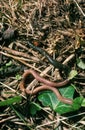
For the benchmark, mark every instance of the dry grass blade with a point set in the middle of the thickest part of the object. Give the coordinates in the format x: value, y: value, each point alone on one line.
x: 59, y: 28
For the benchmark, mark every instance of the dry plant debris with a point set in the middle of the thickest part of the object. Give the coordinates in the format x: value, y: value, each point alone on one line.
x: 56, y: 26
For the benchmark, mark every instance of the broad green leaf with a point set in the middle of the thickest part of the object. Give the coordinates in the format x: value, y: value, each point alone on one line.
x: 34, y: 107
x: 81, y: 64
x: 10, y: 101
x: 72, y: 74
x: 48, y: 98
x: 64, y: 108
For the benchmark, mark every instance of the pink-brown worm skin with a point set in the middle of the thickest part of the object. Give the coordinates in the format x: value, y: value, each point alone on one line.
x: 48, y: 86
x: 44, y: 87
x: 43, y: 80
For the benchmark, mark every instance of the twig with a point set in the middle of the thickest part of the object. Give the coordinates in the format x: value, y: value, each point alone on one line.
x: 17, y: 53
x: 6, y: 119
x: 20, y: 60
x: 79, y: 8
x: 69, y: 58
x: 12, y: 89
x: 64, y: 118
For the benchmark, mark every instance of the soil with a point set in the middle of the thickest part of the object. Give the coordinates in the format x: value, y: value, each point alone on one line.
x: 56, y: 26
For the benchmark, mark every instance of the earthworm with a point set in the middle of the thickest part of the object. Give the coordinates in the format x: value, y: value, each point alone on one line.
x: 43, y: 80
x: 55, y: 63
x: 48, y: 85
x: 44, y: 87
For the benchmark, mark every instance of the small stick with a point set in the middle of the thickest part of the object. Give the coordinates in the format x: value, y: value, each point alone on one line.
x: 79, y: 8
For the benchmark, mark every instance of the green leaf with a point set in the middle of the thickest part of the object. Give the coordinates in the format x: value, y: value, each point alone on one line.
x: 34, y: 107
x: 82, y: 42
x: 9, y: 64
x: 83, y: 103
x: 10, y: 101
x: 20, y: 116
x: 20, y: 3
x: 77, y: 103
x: 1, y: 69
x: 48, y: 98
x: 72, y: 74
x: 81, y: 64
x: 18, y: 77
x: 64, y: 108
